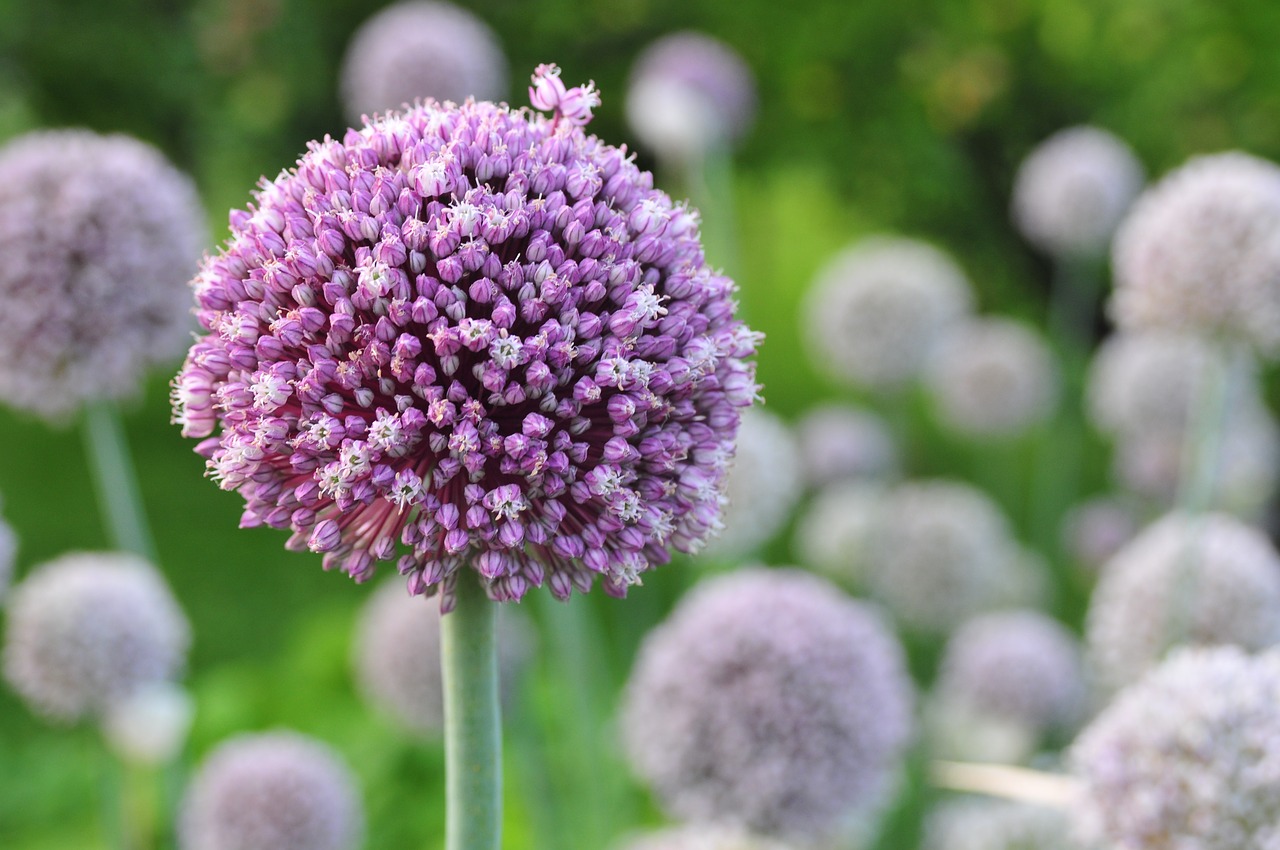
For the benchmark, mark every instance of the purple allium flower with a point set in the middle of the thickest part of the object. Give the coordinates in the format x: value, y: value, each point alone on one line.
x: 702, y: 838
x: 1189, y: 757
x: 1072, y: 190
x: 1094, y: 530
x: 1200, y: 251
x: 417, y: 49
x: 271, y: 791
x: 993, y: 377
x: 840, y: 441
x: 479, y: 334
x: 690, y: 93
x: 87, y: 629
x: 1203, y: 579
x: 877, y: 309
x: 397, y: 656
x: 986, y: 824
x: 835, y: 530
x: 769, y: 701
x: 762, y: 488
x: 97, y: 234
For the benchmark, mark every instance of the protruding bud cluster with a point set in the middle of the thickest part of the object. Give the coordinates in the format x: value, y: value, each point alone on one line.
x: 770, y: 701
x: 467, y: 334
x: 417, y: 49
x: 98, y: 234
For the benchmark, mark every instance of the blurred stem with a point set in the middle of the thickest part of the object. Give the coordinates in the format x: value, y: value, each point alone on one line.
x: 709, y: 180
x: 140, y: 807
x: 1202, y: 449
x: 115, y: 480
x: 1007, y: 782
x: 472, y: 719
x: 1073, y: 299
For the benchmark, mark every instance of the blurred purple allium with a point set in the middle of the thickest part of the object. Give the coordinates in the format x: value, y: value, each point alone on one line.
x: 397, y: 656
x: 1204, y: 579
x: 98, y: 234
x: 690, y: 93
x: 471, y: 335
x: 876, y: 310
x: 88, y: 629
x: 416, y: 49
x: 1072, y: 190
x: 1189, y: 757
x: 1096, y: 529
x: 987, y: 824
x: 835, y: 530
x: 762, y: 487
x: 271, y: 791
x: 770, y: 701
x: 701, y: 838
x: 841, y: 441
x: 993, y: 377
x: 1200, y: 251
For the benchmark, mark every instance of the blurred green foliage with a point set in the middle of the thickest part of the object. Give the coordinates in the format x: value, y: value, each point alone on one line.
x: 906, y: 115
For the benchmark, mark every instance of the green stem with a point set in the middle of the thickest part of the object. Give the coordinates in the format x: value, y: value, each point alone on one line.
x: 472, y: 719
x: 1202, y: 447
x: 115, y: 480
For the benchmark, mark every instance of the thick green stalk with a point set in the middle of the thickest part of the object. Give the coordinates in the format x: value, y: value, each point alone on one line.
x: 115, y: 480
x: 472, y: 720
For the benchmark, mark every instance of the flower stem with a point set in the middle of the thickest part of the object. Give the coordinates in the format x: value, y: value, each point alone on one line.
x: 1202, y: 450
x: 472, y: 722
x: 1008, y: 782
x: 115, y: 480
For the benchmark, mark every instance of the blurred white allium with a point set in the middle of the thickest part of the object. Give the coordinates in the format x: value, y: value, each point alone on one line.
x: 701, y: 837
x: 150, y: 725
x: 1200, y: 251
x: 417, y: 49
x: 762, y: 487
x: 87, y: 629
x: 271, y: 791
x: 1072, y: 190
x: 1205, y: 579
x: 940, y: 553
x: 1097, y: 528
x: 396, y: 655
x: 835, y: 528
x: 99, y: 236
x: 768, y: 700
x: 877, y: 309
x: 1188, y: 758
x: 988, y: 824
x: 993, y: 377
x: 690, y: 93
x: 841, y: 441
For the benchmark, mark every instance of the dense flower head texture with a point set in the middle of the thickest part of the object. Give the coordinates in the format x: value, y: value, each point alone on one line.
x: 478, y: 333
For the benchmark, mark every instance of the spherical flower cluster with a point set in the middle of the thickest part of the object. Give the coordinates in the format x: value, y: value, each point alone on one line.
x: 1021, y: 666
x: 762, y: 488
x: 1145, y: 383
x: 1201, y: 251
x: 1094, y: 530
x: 479, y: 334
x: 992, y: 378
x: 690, y: 93
x: 770, y: 701
x: 1207, y: 579
x: 149, y: 726
x: 397, y: 656
x: 1072, y: 190
x: 88, y: 629
x: 840, y: 441
x: 417, y: 49
x: 1189, y: 757
x: 941, y: 552
x: 984, y: 824
x: 702, y: 838
x: 833, y: 533
x: 271, y: 791
x: 98, y: 234
x: 876, y: 310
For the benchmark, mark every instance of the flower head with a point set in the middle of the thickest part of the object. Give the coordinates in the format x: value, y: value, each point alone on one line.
x: 985, y: 824
x: 768, y: 701
x: 1094, y: 530
x: 467, y: 334
x: 271, y: 791
x: 1200, y: 251
x: 89, y: 629
x: 417, y: 49
x: 877, y: 309
x: 97, y: 234
x: 1072, y: 190
x: 762, y: 488
x: 690, y: 93
x: 1187, y: 757
x: 839, y: 441
x: 993, y: 377
x: 1207, y: 579
x: 835, y: 529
